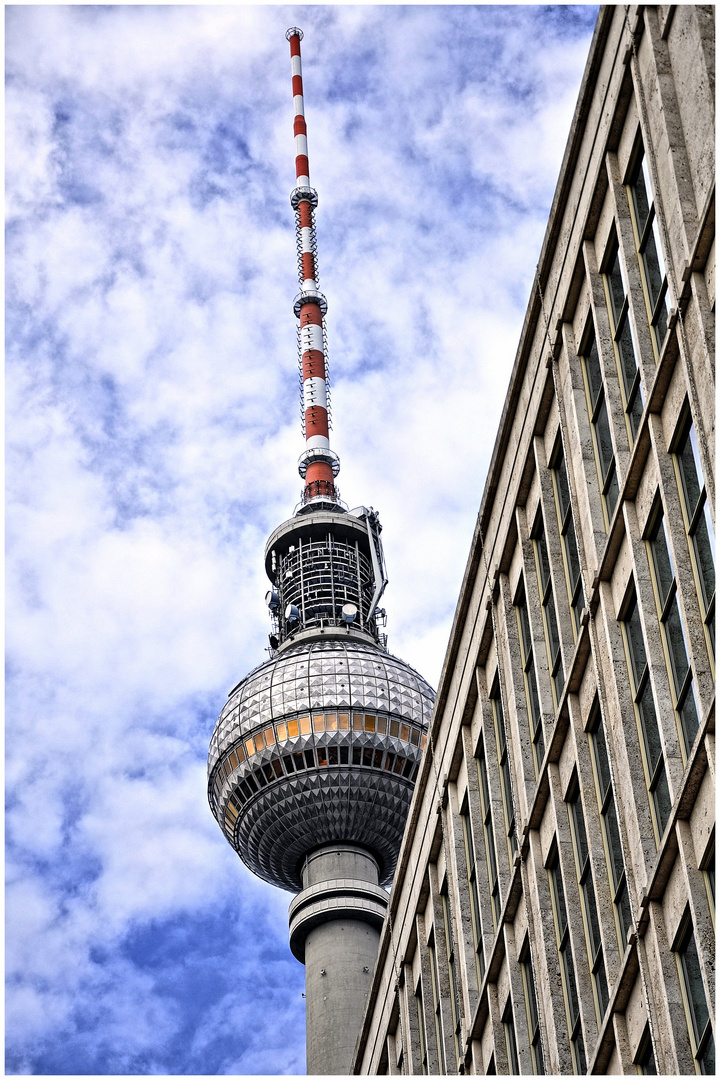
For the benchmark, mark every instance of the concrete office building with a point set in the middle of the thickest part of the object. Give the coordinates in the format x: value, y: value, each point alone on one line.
x: 553, y: 905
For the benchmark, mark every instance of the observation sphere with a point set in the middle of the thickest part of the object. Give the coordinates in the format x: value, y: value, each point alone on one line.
x: 321, y: 743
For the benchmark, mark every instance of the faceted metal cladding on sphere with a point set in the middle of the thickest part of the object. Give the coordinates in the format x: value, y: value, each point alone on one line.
x: 313, y: 760
x: 321, y: 743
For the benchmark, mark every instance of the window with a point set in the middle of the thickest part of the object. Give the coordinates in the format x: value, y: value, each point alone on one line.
x: 474, y: 897
x: 646, y: 717
x: 693, y: 991
x: 572, y: 1008
x: 436, y: 1007
x: 547, y: 600
x: 531, y: 690
x: 698, y: 522
x: 571, y: 558
x: 645, y: 1059
x: 510, y: 1044
x: 489, y: 835
x: 587, y: 900
x: 421, y: 1029
x: 626, y: 353
x: 597, y: 409
x: 673, y: 631
x: 454, y: 999
x: 504, y: 763
x: 708, y: 869
x: 611, y: 833
x: 647, y: 241
x: 532, y: 1010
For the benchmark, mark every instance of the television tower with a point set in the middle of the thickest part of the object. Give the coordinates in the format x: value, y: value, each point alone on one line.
x: 314, y: 756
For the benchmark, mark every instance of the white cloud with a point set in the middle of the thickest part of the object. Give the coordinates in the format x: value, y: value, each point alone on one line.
x: 153, y: 433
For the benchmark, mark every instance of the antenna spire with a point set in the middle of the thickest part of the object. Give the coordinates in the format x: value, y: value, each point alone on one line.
x: 318, y: 465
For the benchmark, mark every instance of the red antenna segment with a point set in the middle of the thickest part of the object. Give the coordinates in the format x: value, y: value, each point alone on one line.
x: 318, y: 465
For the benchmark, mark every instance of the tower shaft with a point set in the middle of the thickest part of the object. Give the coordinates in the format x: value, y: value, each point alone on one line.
x: 335, y: 926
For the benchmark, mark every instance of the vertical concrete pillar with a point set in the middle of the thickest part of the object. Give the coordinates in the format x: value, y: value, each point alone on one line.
x: 335, y: 927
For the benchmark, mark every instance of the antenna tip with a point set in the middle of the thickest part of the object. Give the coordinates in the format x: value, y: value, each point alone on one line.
x: 294, y: 31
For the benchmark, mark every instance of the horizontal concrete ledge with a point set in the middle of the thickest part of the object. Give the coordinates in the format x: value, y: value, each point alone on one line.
x: 341, y: 898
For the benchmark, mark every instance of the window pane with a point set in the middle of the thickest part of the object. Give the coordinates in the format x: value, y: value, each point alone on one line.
x: 543, y: 560
x: 624, y: 914
x: 534, y: 701
x: 653, y: 271
x: 636, y: 643
x: 617, y: 866
x: 604, y: 441
x: 592, y: 365
x: 707, y: 1060
x: 491, y: 854
x: 532, y: 1001
x: 559, y: 899
x: 499, y: 717
x: 651, y: 734
x: 628, y: 363
x: 579, y: 829
x: 705, y: 552
x: 483, y: 779
x: 635, y: 409
x: 580, y: 1049
x: 510, y: 810
x: 663, y: 804
x: 525, y: 627
x: 612, y: 492
x: 663, y: 564
x: 640, y: 198
x: 602, y: 988
x: 676, y: 644
x: 559, y: 681
x: 689, y: 471
x: 601, y: 759
x: 573, y: 557
x: 617, y: 289
x: 647, y: 1059
x: 562, y: 486
x: 572, y: 988
x: 661, y: 321
x: 694, y: 983
x: 593, y: 923
x: 509, y: 1027
x: 539, y: 742
x: 552, y: 627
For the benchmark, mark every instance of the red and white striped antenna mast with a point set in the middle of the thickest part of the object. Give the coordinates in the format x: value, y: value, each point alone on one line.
x: 318, y: 465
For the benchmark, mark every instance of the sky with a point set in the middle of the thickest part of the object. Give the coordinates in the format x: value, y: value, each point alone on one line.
x: 152, y: 435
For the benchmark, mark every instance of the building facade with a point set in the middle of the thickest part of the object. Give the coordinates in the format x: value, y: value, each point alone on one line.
x: 553, y: 906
